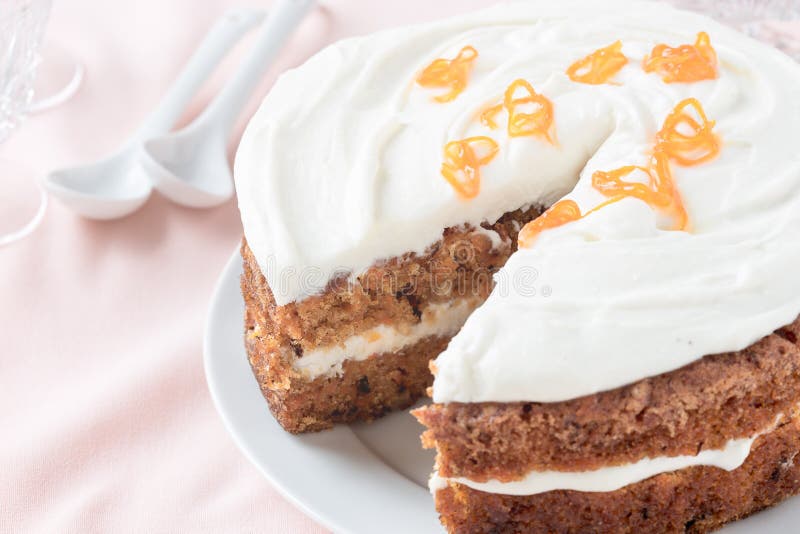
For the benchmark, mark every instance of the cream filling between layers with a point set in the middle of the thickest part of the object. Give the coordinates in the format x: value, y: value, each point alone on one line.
x: 611, y: 478
x: 437, y: 320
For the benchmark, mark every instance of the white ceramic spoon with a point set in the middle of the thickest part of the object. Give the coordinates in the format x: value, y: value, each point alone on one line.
x: 117, y: 186
x: 190, y: 166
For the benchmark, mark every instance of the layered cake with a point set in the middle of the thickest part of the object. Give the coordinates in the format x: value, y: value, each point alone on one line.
x: 583, y: 217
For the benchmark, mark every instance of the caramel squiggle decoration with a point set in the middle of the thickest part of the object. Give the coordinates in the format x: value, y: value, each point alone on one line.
x: 685, y: 63
x: 489, y: 115
x: 686, y: 137
x: 534, y: 122
x: 599, y: 66
x: 529, y: 113
x: 463, y: 160
x: 560, y: 213
x: 452, y: 74
x: 660, y: 193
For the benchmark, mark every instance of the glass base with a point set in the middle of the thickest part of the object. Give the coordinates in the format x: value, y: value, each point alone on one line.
x: 58, y: 78
x: 23, y: 202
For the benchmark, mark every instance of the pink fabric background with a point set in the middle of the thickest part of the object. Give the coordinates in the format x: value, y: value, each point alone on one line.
x: 106, y: 424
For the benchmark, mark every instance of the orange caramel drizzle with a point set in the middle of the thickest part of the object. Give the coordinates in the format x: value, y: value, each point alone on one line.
x: 660, y: 193
x: 687, y: 135
x: 536, y: 121
x: 463, y: 160
x: 599, y: 66
x: 560, y: 213
x: 449, y: 73
x: 684, y: 138
x: 528, y: 114
x: 489, y: 114
x: 685, y: 63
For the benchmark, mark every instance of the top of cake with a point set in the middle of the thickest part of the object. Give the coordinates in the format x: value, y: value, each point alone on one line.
x: 668, y: 141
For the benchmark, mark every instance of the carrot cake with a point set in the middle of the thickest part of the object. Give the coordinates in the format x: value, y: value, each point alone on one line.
x: 587, y: 214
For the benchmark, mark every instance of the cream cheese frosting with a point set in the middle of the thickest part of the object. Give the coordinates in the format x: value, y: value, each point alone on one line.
x: 340, y: 168
x: 611, y: 478
x: 438, y: 320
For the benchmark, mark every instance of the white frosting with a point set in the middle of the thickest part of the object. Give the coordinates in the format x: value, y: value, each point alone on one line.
x: 340, y: 168
x: 607, y: 478
x: 437, y: 320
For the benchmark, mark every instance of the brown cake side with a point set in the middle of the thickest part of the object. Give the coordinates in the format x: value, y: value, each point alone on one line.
x: 695, y: 499
x: 394, y: 292
x: 701, y: 405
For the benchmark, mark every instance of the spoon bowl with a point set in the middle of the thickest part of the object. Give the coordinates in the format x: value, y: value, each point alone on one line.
x: 117, y: 186
x: 108, y: 189
x: 190, y: 167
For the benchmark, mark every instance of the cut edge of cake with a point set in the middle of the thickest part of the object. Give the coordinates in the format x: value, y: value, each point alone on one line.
x: 362, y: 348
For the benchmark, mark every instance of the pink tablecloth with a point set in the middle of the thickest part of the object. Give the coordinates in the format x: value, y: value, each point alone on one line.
x: 106, y: 424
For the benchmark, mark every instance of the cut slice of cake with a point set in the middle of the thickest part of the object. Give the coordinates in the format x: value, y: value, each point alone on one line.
x: 362, y: 347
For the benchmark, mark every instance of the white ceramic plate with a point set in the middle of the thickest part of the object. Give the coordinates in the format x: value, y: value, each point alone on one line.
x: 357, y: 479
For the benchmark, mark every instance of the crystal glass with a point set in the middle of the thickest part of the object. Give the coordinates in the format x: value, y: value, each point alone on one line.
x: 776, y: 22
x: 22, y: 24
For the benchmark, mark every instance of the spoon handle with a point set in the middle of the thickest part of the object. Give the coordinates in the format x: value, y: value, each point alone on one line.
x: 216, y: 44
x: 283, y: 18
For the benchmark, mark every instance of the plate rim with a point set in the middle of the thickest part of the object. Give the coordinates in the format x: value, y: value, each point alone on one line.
x: 219, y: 405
